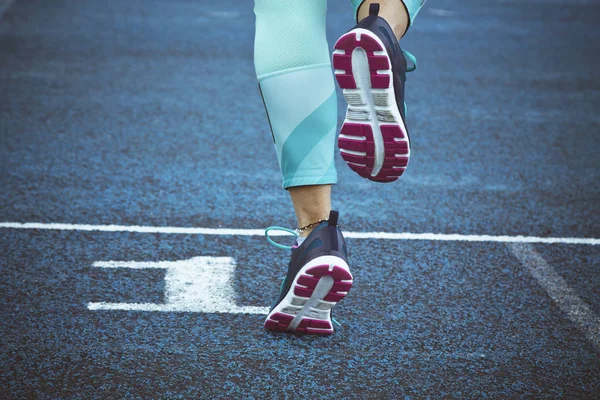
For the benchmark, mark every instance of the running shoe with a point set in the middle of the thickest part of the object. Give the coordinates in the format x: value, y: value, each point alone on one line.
x: 318, y: 277
x: 371, y: 69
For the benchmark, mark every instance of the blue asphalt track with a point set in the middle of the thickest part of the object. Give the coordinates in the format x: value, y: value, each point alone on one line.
x: 148, y: 113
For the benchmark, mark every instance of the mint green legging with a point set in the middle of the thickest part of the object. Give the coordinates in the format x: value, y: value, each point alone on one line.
x: 291, y: 57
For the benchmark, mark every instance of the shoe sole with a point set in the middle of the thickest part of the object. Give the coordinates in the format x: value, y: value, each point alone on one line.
x: 373, y: 140
x: 317, y: 288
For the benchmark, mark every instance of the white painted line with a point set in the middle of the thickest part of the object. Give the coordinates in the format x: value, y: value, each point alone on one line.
x: 135, y: 228
x: 261, y: 232
x: 559, y: 291
x: 470, y: 238
x: 149, y: 307
x: 199, y: 284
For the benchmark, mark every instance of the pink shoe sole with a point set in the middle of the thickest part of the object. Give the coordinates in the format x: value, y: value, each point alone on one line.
x: 306, y: 309
x: 373, y: 140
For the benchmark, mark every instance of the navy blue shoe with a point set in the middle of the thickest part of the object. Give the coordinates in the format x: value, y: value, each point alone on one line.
x: 371, y: 69
x: 318, y: 277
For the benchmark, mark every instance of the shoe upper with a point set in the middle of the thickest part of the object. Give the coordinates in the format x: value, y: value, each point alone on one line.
x: 326, y: 239
x: 385, y: 33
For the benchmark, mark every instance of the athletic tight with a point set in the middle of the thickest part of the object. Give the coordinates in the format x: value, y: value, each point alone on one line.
x: 292, y: 62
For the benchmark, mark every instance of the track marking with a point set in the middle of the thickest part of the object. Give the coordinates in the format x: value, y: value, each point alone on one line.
x: 261, y: 232
x: 199, y: 284
x: 559, y: 291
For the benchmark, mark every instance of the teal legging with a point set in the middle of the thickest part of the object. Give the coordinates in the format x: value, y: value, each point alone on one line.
x: 291, y: 57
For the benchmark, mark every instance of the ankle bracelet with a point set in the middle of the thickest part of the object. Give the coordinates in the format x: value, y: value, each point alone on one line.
x: 312, y: 225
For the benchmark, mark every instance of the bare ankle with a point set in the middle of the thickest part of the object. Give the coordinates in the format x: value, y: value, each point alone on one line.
x: 393, y: 11
x: 311, y: 204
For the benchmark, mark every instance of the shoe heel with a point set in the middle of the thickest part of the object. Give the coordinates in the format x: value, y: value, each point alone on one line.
x: 308, y: 282
x: 325, y: 286
x: 316, y: 291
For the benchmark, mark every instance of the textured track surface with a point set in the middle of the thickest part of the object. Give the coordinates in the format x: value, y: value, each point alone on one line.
x: 130, y: 112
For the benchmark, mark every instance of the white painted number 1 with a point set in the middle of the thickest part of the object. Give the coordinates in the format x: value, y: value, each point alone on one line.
x: 200, y: 284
